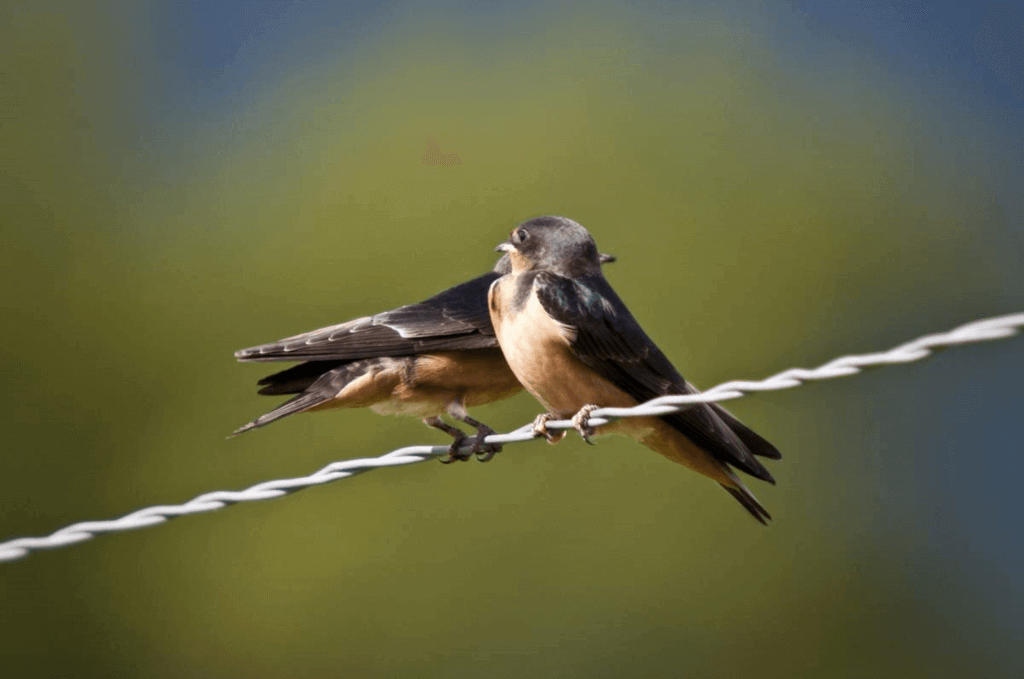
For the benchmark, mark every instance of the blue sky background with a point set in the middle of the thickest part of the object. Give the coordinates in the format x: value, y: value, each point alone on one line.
x: 216, y: 56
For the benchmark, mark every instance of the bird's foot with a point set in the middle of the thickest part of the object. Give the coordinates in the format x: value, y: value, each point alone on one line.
x: 454, y: 453
x: 460, y: 437
x: 484, y: 451
x: 581, y: 420
x: 540, y: 428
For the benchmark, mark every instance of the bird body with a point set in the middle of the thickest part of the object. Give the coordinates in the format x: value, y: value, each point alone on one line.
x: 572, y: 343
x: 436, y: 357
x: 423, y: 385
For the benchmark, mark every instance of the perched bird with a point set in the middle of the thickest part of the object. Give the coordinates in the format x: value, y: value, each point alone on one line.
x: 437, y: 356
x: 575, y: 346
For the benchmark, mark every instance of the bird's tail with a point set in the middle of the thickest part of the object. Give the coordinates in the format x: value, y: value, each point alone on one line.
x: 749, y: 502
x: 297, y: 378
x: 754, y: 442
x: 296, y: 404
x: 318, y: 382
x: 742, y: 495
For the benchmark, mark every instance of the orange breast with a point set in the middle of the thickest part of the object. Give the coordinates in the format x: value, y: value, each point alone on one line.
x: 538, y: 350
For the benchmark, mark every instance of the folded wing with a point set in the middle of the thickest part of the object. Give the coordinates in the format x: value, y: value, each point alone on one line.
x: 454, y: 319
x: 611, y: 342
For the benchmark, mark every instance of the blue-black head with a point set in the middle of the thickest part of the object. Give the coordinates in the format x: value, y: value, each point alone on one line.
x: 554, y: 244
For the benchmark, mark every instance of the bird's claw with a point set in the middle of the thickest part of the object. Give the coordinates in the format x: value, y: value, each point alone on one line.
x: 484, y: 451
x: 454, y: 453
x: 540, y: 428
x: 581, y: 420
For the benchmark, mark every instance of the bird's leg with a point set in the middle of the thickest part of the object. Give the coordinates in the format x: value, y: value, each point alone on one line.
x: 483, y: 451
x: 540, y: 428
x: 460, y: 437
x: 581, y: 420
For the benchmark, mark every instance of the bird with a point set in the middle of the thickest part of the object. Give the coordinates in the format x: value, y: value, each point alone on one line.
x: 426, y: 359
x: 573, y: 344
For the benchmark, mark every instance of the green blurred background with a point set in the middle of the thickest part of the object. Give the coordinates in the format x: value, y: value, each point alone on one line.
x: 782, y: 183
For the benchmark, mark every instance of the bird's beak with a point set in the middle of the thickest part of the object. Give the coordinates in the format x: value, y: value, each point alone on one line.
x: 607, y: 259
x: 505, y: 247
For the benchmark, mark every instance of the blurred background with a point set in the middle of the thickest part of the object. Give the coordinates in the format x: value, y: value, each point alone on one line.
x: 783, y: 182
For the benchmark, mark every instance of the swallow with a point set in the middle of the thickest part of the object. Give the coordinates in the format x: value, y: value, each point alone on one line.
x: 427, y: 359
x: 573, y: 344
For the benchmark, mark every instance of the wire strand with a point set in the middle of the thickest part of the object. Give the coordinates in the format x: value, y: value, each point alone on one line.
x: 978, y: 331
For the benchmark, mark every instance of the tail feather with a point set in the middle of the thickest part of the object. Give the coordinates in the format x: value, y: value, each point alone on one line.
x: 293, y: 405
x: 297, y: 378
x: 754, y: 442
x: 320, y: 387
x: 749, y: 502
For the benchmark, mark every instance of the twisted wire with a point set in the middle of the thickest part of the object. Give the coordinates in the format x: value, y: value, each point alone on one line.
x: 978, y: 331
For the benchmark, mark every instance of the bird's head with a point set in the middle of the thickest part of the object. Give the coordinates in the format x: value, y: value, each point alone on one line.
x: 555, y: 244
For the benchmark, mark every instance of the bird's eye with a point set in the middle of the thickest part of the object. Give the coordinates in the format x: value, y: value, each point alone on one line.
x: 521, y: 235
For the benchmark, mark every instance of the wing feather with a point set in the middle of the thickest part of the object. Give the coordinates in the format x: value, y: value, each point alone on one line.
x: 454, y: 319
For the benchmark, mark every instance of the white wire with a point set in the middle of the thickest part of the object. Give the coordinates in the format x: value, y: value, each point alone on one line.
x: 978, y: 331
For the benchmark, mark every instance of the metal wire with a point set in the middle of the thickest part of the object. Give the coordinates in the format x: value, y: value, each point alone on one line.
x: 978, y: 331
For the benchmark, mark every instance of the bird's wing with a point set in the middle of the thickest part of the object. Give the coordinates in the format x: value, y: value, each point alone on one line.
x: 606, y: 338
x: 454, y: 319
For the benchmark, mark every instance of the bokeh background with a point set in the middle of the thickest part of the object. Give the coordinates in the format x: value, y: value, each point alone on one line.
x: 783, y: 182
